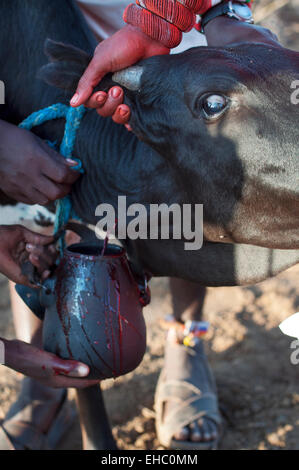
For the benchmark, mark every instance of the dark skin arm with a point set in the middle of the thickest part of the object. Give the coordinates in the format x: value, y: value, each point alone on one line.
x: 30, y: 170
x: 121, y: 50
x: 17, y: 245
x: 110, y: 57
x: 223, y: 31
x: 45, y: 367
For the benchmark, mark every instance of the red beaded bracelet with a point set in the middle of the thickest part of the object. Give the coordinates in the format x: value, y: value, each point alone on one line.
x: 172, y: 11
x: 153, y: 26
x: 164, y: 20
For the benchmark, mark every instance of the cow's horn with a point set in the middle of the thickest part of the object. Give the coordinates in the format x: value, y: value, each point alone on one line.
x: 130, y: 78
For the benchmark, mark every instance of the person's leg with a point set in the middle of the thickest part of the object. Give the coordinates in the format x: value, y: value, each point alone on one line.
x: 40, y: 416
x: 189, y: 364
x: 36, y: 405
x: 187, y: 300
x: 29, y: 329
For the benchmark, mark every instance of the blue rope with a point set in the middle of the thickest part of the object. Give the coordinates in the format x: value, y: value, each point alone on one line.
x: 73, y: 117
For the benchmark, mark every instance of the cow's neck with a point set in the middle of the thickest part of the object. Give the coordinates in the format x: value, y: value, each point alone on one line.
x: 116, y: 163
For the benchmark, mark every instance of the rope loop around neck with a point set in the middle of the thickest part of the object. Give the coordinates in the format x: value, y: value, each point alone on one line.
x: 73, y: 118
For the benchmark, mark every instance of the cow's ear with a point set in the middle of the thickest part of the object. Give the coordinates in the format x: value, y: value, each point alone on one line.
x: 67, y: 64
x: 61, y: 52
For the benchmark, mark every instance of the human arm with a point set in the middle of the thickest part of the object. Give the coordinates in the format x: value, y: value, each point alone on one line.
x: 45, y: 367
x: 17, y: 245
x: 30, y: 170
x: 147, y: 33
x: 219, y: 32
x: 126, y: 47
x: 223, y: 31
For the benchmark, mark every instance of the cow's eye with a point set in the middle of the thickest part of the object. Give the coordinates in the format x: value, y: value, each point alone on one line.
x: 213, y: 106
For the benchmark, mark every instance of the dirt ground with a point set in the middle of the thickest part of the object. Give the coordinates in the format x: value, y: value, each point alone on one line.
x: 258, y: 386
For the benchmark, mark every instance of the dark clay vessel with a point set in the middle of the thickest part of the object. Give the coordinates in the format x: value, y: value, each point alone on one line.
x: 93, y: 311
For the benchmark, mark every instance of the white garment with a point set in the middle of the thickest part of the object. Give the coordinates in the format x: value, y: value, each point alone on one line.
x: 105, y: 17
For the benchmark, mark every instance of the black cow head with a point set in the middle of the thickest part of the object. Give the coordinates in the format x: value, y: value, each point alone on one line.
x: 224, y: 121
x: 225, y: 118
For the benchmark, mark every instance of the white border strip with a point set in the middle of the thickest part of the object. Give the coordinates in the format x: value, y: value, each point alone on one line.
x: 2, y: 92
x: 2, y: 352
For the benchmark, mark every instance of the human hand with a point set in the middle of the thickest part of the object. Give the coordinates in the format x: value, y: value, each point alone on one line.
x: 123, y: 49
x: 30, y: 170
x: 17, y: 245
x: 45, y: 367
